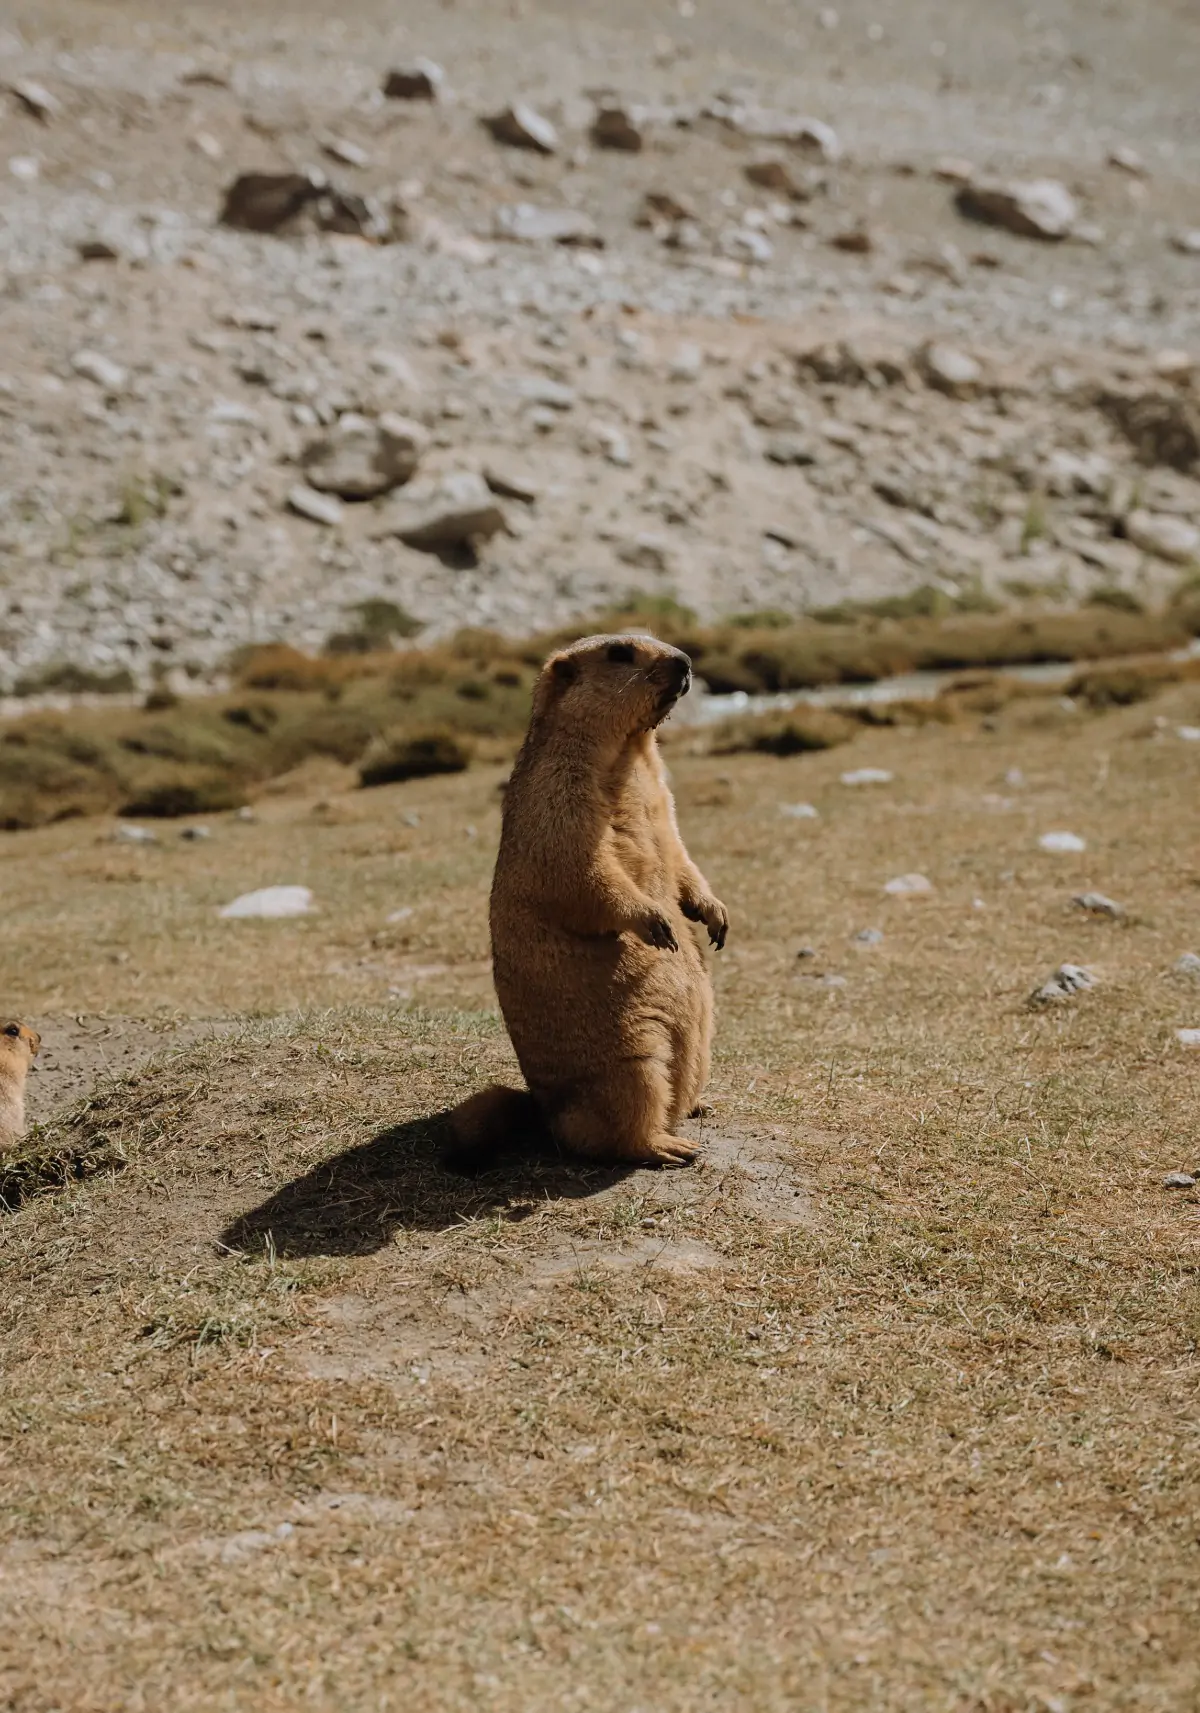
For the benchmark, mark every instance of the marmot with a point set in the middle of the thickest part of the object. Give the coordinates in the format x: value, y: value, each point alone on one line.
x: 18, y: 1049
x: 602, y: 986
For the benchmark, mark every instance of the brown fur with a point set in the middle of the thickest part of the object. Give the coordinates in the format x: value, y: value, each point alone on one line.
x: 18, y: 1048
x: 602, y: 985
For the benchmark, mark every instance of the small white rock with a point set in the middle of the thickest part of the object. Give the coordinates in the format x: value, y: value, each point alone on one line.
x: 318, y: 508
x: 1189, y: 734
x: 1170, y: 538
x: 1189, y: 965
x: 401, y: 915
x: 1096, y: 904
x: 25, y: 167
x: 909, y: 886
x: 1064, y: 984
x: 95, y: 366
x: 867, y: 776
x: 271, y: 902
x: 1179, y: 1181
x: 1188, y: 1037
x: 799, y: 811
x: 1062, y: 843
x: 869, y: 937
x: 125, y: 833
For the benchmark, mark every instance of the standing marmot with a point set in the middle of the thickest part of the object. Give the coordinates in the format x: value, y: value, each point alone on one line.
x: 18, y: 1049
x: 602, y: 987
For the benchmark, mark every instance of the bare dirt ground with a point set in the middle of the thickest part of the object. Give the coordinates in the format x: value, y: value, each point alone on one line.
x: 887, y: 1404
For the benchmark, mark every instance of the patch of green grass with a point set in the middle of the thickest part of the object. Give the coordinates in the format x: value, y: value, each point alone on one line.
x: 414, y: 755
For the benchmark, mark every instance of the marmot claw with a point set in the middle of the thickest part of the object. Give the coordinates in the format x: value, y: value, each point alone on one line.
x: 657, y: 931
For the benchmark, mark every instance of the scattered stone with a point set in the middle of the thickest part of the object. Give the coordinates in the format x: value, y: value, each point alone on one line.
x: 443, y: 513
x: 195, y: 835
x: 1163, y: 427
x: 207, y: 145
x: 1189, y: 965
x: 97, y: 250
x: 660, y: 209
x: 318, y: 508
x: 867, y: 776
x: 1096, y: 904
x: 1170, y: 538
x: 25, y: 167
x: 789, y: 449
x: 35, y: 99
x: 807, y: 952
x: 522, y: 128
x: 1064, y: 984
x: 743, y: 243
x: 909, y: 886
x: 799, y: 811
x: 612, y: 441
x: 1187, y: 243
x: 347, y: 153
x: 246, y: 815
x: 1179, y: 1181
x: 855, y: 241
x: 1062, y: 843
x: 951, y: 371
x: 524, y: 223
x: 359, y: 459
x: 772, y: 173
x: 270, y: 902
x: 952, y: 169
x: 869, y: 937
x: 265, y: 201
x: 615, y: 128
x: 125, y: 833
x: 1173, y: 365
x: 1040, y: 208
x: 510, y: 480
x: 1188, y: 1037
x: 810, y: 136
x: 1189, y: 734
x: 686, y: 362
x: 544, y: 390
x: 101, y: 370
x: 421, y: 81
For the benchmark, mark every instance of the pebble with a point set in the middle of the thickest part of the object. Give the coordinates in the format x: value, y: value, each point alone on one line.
x: 909, y: 886
x: 511, y: 480
x: 1178, y: 1181
x: 1128, y: 160
x: 1170, y: 538
x: 1039, y: 208
x: 949, y: 370
x: 1064, y: 984
x: 525, y: 223
x: 686, y: 362
x: 867, y: 776
x: 1187, y: 243
x: 35, y: 99
x: 195, y: 835
x: 360, y: 459
x: 450, y: 511
x: 125, y: 833
x: 789, y: 449
x: 349, y: 154
x: 869, y: 937
x: 1096, y: 904
x: 401, y: 915
x: 1189, y: 734
x: 522, y: 127
x: 264, y: 201
x: 1062, y: 843
x: 614, y: 128
x: 772, y: 173
x: 271, y: 902
x: 318, y: 508
x: 94, y: 366
x: 1189, y: 965
x: 1188, y: 1037
x: 799, y: 811
x: 25, y: 167
x: 421, y: 81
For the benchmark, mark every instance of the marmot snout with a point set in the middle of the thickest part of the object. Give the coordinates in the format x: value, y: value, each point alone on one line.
x: 18, y: 1048
x: 601, y: 983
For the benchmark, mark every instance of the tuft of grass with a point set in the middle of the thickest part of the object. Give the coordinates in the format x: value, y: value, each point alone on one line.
x: 415, y: 755
x: 62, y: 678
x: 379, y: 624
x: 795, y: 733
x: 168, y: 798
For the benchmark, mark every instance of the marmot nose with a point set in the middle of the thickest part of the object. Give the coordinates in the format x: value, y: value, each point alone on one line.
x: 682, y: 667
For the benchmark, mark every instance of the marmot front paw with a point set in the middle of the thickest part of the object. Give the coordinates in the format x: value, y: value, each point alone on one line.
x: 656, y: 930
x: 713, y: 914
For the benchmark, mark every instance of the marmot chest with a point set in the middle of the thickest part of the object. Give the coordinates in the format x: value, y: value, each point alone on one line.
x: 637, y: 816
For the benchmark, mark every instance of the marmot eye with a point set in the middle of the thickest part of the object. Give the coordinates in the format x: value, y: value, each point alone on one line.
x: 13, y: 1029
x: 623, y: 652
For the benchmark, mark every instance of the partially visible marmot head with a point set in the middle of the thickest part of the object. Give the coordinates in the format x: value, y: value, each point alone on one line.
x: 615, y: 686
x: 18, y: 1046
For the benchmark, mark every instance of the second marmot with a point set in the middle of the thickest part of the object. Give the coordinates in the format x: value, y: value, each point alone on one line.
x: 602, y: 986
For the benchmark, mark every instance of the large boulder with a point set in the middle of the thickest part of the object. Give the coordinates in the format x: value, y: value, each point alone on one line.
x: 360, y: 458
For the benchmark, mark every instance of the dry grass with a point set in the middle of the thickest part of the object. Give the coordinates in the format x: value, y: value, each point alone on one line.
x: 554, y: 1438
x: 179, y: 757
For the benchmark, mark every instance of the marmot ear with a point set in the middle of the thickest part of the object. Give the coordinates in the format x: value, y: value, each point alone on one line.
x: 565, y: 670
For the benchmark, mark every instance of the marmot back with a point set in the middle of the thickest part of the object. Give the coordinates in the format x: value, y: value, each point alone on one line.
x: 601, y: 983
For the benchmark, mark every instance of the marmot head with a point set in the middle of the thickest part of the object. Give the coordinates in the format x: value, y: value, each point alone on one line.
x: 18, y: 1041
x: 616, y: 686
